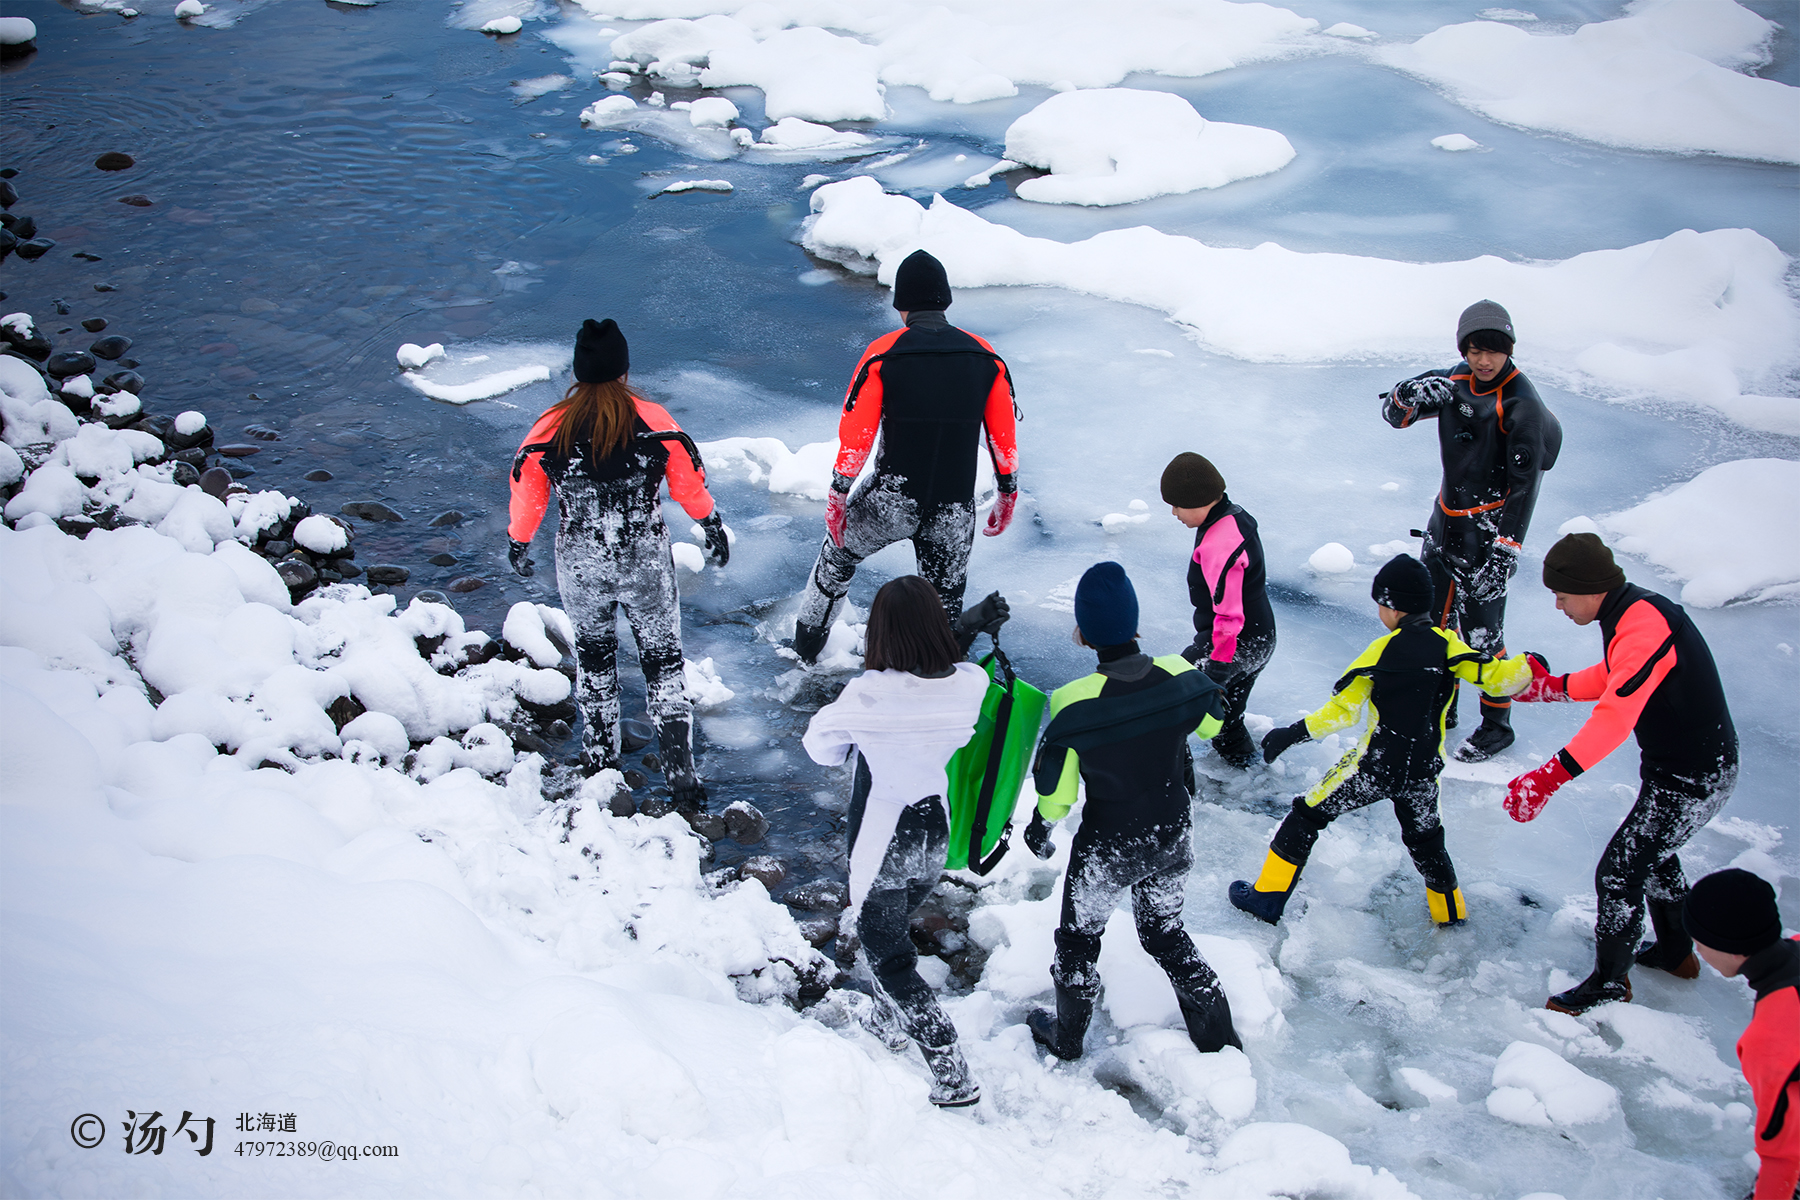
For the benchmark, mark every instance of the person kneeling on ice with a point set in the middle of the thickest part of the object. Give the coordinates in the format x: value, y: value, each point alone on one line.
x: 1407, y: 678
x: 903, y: 717
x: 1122, y: 731
x: 928, y: 390
x: 1657, y: 681
x: 606, y: 450
x: 1234, y: 625
x: 1731, y: 916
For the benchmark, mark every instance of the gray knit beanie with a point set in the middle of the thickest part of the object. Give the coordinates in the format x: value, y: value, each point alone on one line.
x: 1484, y: 314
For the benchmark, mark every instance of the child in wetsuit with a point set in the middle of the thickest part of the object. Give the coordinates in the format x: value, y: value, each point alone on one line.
x: 1407, y: 678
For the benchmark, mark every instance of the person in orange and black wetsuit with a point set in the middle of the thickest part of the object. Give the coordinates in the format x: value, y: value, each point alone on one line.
x: 1496, y: 439
x: 928, y: 389
x: 1736, y: 927
x: 607, y: 451
x: 1657, y: 681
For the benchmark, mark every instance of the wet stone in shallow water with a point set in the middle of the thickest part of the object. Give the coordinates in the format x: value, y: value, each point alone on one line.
x: 818, y: 930
x: 634, y: 734
x: 370, y: 510
x: 745, y: 824
x: 113, y: 345
x: 94, y: 324
x: 442, y: 560
x: 389, y: 574
x: 262, y: 433
x: 467, y: 583
x: 136, y: 200
x: 65, y: 363
x: 114, y: 160
x: 125, y: 381
x: 239, y: 450
x: 447, y: 518
x: 319, y: 476
x: 433, y: 596
x: 635, y: 778
x: 35, y: 248
x: 765, y: 867
x: 214, y: 480
x: 296, y: 573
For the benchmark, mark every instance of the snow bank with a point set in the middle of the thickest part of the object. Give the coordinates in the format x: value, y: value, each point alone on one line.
x: 1119, y: 145
x: 485, y: 387
x: 1720, y: 294
x: 965, y: 53
x: 1660, y: 78
x: 1728, y: 533
x: 805, y: 472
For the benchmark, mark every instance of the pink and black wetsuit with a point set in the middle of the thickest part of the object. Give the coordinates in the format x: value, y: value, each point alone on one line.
x: 1234, y: 626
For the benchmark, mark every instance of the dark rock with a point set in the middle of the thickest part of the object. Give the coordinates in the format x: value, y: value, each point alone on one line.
x: 344, y: 710
x: 635, y: 778
x: 9, y: 172
x: 818, y: 930
x: 319, y: 476
x: 113, y: 345
x: 137, y: 201
x: 77, y: 526
x: 86, y: 256
x: 105, y: 287
x: 621, y: 804
x: 707, y: 825
x: 197, y: 440
x: 238, y: 470
x: 370, y: 510
x: 634, y: 734
x: 62, y: 310
x: 442, y: 560
x: 467, y: 583
x: 765, y: 867
x: 214, y: 480
x: 262, y: 433
x: 13, y: 50
x: 9, y: 195
x: 433, y: 596
x: 65, y: 363
x: 185, y: 474
x: 388, y: 574
x: 822, y: 895
x: 35, y: 248
x: 129, y: 364
x: 94, y: 324
x: 236, y: 488
x: 113, y: 160
x: 327, y: 575
x: 446, y: 518
x: 652, y: 763
x: 125, y: 381
x: 297, y: 573
x: 192, y: 454
x: 156, y: 425
x: 9, y: 241
x: 278, y: 548
x: 22, y: 227
x: 744, y: 823
x: 346, y: 568
x: 238, y: 450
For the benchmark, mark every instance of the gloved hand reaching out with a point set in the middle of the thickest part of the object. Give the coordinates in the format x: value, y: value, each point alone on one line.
x: 718, y: 542
x: 1037, y: 836
x: 519, y: 555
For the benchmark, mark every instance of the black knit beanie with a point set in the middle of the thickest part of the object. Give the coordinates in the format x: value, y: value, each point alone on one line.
x: 1732, y: 911
x: 1483, y: 314
x: 601, y: 355
x: 1190, y: 481
x: 1581, y: 565
x: 920, y: 284
x: 1106, y: 606
x: 1403, y: 585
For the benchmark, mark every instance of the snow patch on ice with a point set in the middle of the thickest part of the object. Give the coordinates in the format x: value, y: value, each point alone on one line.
x: 1533, y: 1085
x: 1120, y: 145
x: 412, y: 356
x: 1456, y: 141
x: 1333, y: 558
x: 1719, y: 532
x: 695, y: 185
x: 805, y: 472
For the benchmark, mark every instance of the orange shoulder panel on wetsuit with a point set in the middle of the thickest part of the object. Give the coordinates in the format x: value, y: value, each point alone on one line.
x: 687, y: 487
x: 862, y: 409
x: 1000, y: 417
x: 1640, y: 633
x: 530, y: 486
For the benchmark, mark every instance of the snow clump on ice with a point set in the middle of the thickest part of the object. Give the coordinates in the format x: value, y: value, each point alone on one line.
x: 1662, y: 77
x: 1333, y: 558
x: 1119, y: 145
x: 1456, y: 141
x: 412, y: 356
x: 1533, y: 1085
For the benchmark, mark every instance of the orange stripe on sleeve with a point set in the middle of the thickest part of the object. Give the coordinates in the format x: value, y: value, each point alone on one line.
x: 1641, y: 632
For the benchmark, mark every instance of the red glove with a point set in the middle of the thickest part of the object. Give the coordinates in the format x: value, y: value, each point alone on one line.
x: 835, y: 502
x: 1527, y: 795
x: 1543, y: 685
x: 1002, y: 513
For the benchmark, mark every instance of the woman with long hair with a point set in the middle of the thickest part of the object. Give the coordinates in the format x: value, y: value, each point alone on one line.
x: 912, y: 708
x: 607, y: 451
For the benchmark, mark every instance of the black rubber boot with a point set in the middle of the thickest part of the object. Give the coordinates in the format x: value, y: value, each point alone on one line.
x: 1494, y: 734
x: 1236, y: 747
x: 1610, y: 982
x: 675, y: 738
x: 1267, y: 898
x: 1063, y: 1031
x: 952, y: 1086
x: 1208, y: 1020
x: 809, y: 640
x: 1673, y: 949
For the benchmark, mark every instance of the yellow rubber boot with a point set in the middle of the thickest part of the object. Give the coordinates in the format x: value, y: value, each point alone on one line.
x: 1447, y: 909
x: 1267, y: 898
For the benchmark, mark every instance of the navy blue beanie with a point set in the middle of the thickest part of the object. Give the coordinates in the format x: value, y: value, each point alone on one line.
x: 1106, y: 606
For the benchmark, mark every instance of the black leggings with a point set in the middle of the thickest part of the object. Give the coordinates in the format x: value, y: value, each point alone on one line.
x: 1640, y: 859
x: 1415, y: 806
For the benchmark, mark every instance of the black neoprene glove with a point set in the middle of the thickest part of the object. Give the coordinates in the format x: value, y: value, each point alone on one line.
x: 1218, y: 671
x: 986, y: 617
x: 519, y: 555
x: 1194, y: 653
x: 1278, y: 740
x: 717, y: 543
x: 1037, y: 836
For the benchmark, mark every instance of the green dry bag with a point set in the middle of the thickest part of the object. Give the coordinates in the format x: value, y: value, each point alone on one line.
x: 986, y: 774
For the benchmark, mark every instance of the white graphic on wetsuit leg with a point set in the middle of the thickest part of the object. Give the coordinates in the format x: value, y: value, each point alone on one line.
x: 612, y: 549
